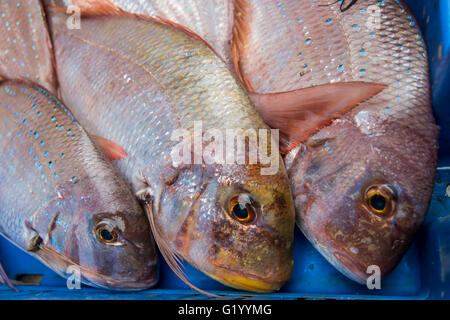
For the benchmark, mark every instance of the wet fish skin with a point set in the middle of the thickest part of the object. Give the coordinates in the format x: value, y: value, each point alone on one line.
x: 388, y: 140
x: 26, y: 48
x: 57, y: 192
x: 162, y: 80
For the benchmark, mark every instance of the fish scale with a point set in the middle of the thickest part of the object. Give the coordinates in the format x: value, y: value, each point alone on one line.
x: 164, y: 80
x: 24, y: 146
x: 195, y: 15
x: 210, y: 19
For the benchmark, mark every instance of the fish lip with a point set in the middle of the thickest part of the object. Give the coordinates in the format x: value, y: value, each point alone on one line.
x: 245, y: 281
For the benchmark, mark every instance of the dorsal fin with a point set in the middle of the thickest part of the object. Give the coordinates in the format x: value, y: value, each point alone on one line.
x: 299, y: 114
x: 92, y: 8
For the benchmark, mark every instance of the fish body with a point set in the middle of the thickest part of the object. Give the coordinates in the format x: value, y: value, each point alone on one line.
x: 62, y: 201
x: 140, y: 80
x: 362, y: 184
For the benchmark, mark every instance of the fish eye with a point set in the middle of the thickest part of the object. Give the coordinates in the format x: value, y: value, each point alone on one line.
x: 242, y: 209
x: 380, y: 199
x: 106, y: 234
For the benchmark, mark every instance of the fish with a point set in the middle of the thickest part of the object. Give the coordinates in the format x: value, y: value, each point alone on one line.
x: 134, y: 80
x: 362, y: 183
x: 62, y: 201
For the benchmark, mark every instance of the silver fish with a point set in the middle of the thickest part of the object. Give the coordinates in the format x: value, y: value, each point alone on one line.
x: 62, y: 201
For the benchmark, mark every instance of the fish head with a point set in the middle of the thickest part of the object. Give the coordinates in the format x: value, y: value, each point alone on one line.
x: 101, y: 232
x: 362, y: 188
x: 233, y: 224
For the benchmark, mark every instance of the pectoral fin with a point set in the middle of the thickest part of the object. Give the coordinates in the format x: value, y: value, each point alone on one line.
x: 111, y: 150
x: 299, y: 114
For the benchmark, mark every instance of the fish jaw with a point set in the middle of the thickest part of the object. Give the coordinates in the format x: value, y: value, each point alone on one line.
x: 331, y: 175
x: 60, y: 263
x: 257, y: 256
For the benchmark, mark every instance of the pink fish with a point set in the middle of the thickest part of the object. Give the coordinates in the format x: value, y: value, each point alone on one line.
x: 361, y: 143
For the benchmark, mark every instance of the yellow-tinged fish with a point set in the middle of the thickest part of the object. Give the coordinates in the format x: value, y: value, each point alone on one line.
x: 134, y: 81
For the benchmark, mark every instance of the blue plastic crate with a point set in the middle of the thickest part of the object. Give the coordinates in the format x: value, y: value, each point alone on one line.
x: 423, y: 273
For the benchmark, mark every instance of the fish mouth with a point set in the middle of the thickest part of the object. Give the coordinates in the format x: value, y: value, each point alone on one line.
x: 246, y: 282
x: 60, y: 264
x: 350, y: 267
